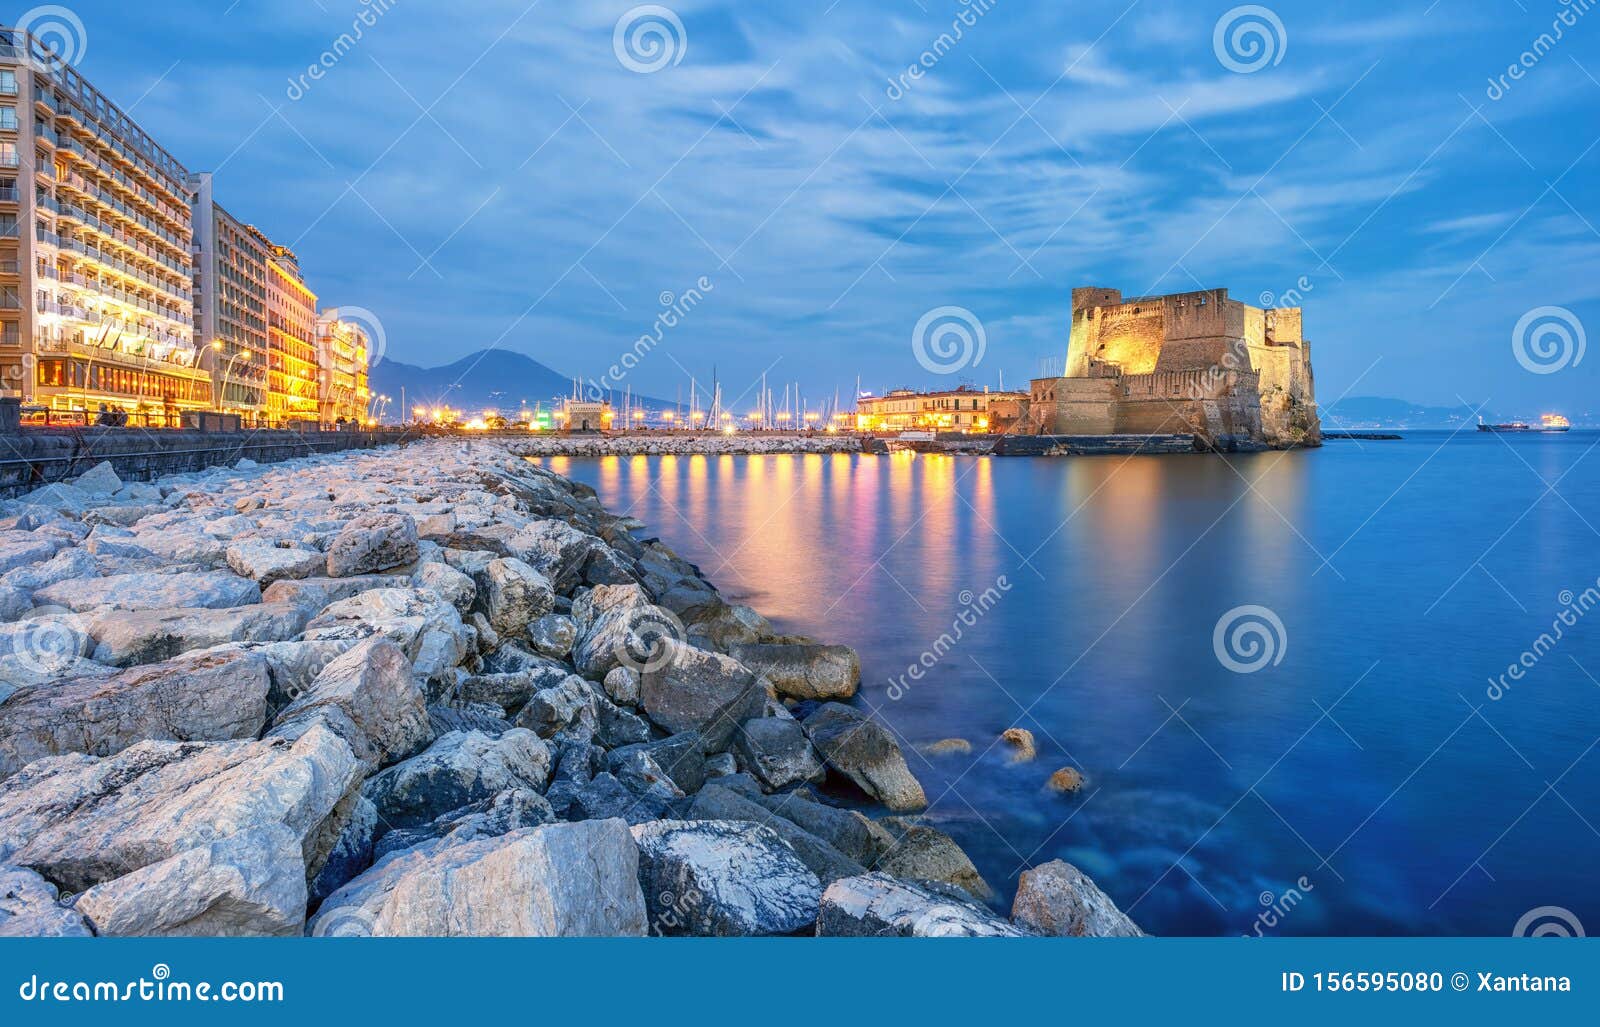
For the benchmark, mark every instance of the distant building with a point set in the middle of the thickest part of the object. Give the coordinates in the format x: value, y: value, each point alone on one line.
x: 230, y: 304
x: 95, y: 235
x: 342, y: 355
x: 965, y: 409
x: 585, y: 415
x: 1189, y: 363
x: 292, y: 387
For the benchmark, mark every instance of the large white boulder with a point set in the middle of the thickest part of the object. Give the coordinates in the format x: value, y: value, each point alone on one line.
x: 557, y: 881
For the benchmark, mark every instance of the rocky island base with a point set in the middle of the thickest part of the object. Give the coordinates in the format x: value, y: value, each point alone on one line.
x: 436, y: 690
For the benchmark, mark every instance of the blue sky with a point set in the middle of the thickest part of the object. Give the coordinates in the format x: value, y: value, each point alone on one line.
x: 494, y: 174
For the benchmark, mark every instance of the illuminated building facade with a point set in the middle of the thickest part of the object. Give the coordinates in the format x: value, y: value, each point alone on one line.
x: 965, y: 409
x: 230, y: 304
x: 585, y: 415
x: 95, y: 250
x: 342, y: 355
x: 292, y: 384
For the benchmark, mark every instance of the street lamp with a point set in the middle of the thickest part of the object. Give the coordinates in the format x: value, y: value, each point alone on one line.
x: 227, y: 372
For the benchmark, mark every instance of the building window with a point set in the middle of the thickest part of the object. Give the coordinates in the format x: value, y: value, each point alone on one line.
x: 8, y: 155
x: 8, y: 82
x: 8, y: 119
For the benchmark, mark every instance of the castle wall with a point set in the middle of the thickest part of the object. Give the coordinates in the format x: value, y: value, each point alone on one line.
x: 1188, y: 362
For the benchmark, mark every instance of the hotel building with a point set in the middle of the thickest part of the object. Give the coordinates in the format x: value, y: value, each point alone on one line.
x: 342, y: 354
x: 230, y: 304
x: 292, y: 384
x: 95, y: 250
x: 965, y: 409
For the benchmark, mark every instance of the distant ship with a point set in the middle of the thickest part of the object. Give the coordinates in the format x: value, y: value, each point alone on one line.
x: 1549, y: 423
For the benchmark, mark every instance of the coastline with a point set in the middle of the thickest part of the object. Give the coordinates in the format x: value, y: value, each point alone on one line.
x: 437, y: 689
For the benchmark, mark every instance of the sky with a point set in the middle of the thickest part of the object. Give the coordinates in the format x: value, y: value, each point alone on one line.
x: 546, y: 177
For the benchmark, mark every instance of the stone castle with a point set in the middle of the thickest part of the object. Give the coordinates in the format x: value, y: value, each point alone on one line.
x: 1190, y: 363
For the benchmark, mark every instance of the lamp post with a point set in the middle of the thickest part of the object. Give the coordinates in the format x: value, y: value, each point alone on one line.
x: 227, y: 371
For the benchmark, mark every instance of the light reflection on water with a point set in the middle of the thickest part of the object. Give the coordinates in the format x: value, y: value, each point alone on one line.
x: 1207, y: 789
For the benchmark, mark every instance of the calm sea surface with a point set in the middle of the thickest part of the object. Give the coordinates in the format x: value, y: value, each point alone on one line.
x: 1363, y: 765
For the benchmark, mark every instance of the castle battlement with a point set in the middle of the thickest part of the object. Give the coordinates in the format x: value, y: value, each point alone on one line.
x: 1197, y: 361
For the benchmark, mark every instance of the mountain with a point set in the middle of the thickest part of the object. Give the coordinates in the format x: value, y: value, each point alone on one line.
x: 1356, y: 412
x: 494, y: 378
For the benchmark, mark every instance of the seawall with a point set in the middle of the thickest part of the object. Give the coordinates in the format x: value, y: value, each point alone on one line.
x: 31, y: 457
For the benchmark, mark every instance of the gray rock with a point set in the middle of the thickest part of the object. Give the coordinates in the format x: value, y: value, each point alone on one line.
x: 860, y: 839
x: 99, y: 480
x: 513, y: 593
x: 554, y: 709
x: 482, y: 717
x: 66, y: 565
x: 212, y: 590
x: 622, y: 685
x: 864, y: 751
x: 615, y: 726
x: 1060, y: 900
x: 369, y: 698
x: 426, y: 626
x: 82, y: 821
x: 266, y: 562
x: 608, y: 567
x: 612, y: 621
x: 511, y: 810
x: 125, y: 638
x: 696, y: 690
x: 458, y: 769
x: 679, y: 757
x: 777, y: 753
x: 211, y: 697
x: 373, y: 542
x: 714, y: 878
x: 350, y: 853
x: 604, y: 797
x: 559, y: 880
x: 924, y: 853
x: 316, y: 594
x: 29, y: 908
x: 828, y: 863
x: 553, y: 635
x: 877, y: 905
x: 511, y: 691
x: 248, y: 884
x: 448, y: 582
x: 822, y: 672
x: 556, y: 549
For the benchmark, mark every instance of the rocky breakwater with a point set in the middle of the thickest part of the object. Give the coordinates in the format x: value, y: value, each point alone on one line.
x: 436, y: 690
x: 686, y: 444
